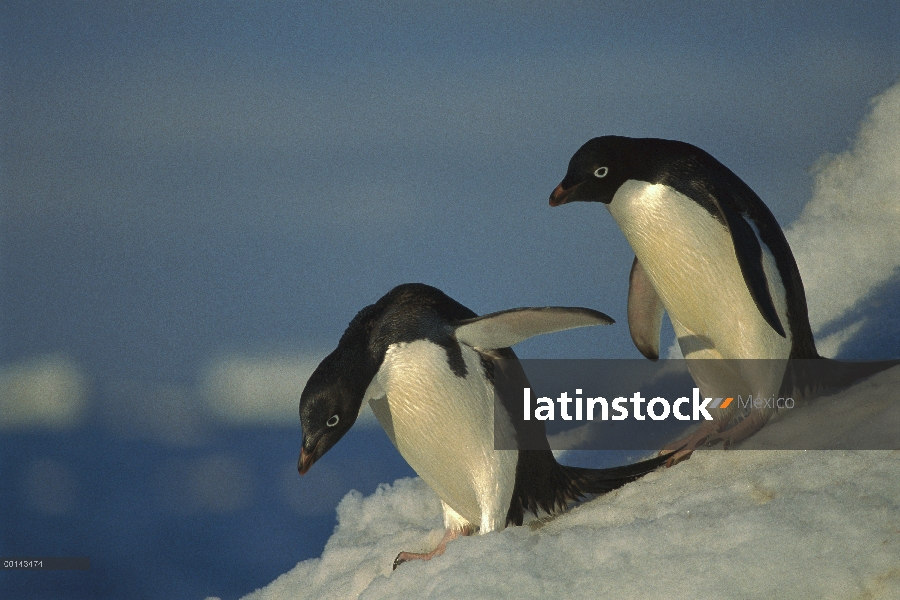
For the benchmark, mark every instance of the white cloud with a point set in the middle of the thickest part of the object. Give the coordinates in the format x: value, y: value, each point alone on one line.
x: 260, y: 389
x: 846, y: 240
x: 47, y: 391
x: 263, y: 389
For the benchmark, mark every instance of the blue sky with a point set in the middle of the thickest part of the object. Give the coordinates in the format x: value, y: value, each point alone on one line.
x: 186, y: 188
x: 242, y: 177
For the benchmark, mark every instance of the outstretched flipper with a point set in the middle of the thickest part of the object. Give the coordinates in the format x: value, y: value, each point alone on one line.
x: 509, y: 327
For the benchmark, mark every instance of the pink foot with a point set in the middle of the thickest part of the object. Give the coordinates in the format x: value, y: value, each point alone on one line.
x: 683, y: 448
x: 449, y: 535
x: 708, y: 435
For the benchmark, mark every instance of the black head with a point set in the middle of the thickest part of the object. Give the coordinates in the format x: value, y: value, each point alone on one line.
x: 597, y: 171
x: 333, y: 396
x: 329, y: 405
x: 601, y: 166
x: 335, y: 391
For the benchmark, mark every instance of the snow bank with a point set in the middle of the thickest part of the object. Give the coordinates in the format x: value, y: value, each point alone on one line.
x: 762, y: 524
x: 735, y: 524
x: 845, y: 240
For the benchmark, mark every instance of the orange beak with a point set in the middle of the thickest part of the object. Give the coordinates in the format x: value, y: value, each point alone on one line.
x: 305, y: 462
x: 561, y: 195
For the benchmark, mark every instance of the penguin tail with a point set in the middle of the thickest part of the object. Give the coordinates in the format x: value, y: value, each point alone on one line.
x: 600, y: 481
x: 809, y: 378
x: 544, y: 485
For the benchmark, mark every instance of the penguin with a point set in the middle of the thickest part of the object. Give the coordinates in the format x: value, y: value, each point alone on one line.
x: 709, y: 253
x: 426, y: 364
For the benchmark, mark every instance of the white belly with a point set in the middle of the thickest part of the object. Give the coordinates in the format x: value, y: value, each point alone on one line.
x: 443, y: 425
x: 689, y: 256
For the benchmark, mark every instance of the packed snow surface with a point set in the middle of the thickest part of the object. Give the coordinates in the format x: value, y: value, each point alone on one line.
x: 724, y: 524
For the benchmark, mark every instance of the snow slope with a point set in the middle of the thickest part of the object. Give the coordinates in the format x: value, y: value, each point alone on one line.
x: 762, y: 524
x: 727, y: 524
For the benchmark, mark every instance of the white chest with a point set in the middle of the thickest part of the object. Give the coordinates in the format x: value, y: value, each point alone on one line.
x: 690, y: 258
x: 443, y: 425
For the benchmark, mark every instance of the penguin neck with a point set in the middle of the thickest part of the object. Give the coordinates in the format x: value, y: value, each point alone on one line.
x: 355, y: 362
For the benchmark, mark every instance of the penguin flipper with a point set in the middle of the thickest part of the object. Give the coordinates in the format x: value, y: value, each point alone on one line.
x: 509, y: 327
x: 645, y: 311
x: 750, y: 258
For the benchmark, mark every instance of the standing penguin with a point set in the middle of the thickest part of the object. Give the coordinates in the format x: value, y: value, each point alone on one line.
x: 708, y: 251
x: 423, y: 361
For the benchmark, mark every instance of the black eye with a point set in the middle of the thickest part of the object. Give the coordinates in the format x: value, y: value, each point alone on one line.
x: 601, y: 172
x: 332, y: 421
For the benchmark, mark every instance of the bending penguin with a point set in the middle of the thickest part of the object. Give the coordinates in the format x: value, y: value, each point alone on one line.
x: 711, y: 254
x: 424, y: 362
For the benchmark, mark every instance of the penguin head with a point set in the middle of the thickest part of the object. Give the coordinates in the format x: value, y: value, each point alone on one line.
x: 596, y: 171
x: 329, y: 405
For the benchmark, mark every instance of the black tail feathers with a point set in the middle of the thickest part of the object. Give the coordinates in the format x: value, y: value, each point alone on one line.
x: 542, y: 484
x: 601, y: 481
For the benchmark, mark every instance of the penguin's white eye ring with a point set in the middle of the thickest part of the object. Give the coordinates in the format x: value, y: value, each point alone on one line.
x: 332, y: 421
x: 601, y: 172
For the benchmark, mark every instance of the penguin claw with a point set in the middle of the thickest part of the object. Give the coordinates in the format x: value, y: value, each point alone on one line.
x: 449, y: 535
x: 677, y: 457
x: 682, y: 449
x: 408, y: 556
